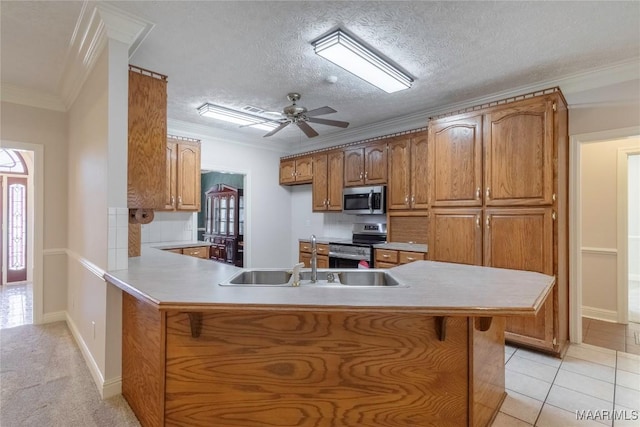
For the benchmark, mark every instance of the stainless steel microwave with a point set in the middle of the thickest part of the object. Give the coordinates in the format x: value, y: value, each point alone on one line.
x: 364, y: 200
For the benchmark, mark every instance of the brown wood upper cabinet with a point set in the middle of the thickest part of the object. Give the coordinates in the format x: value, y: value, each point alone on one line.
x: 518, y: 143
x: 365, y: 165
x: 296, y: 171
x: 455, y: 157
x: 519, y: 219
x: 408, y: 179
x: 147, y: 135
x: 327, y: 181
x: 182, y: 186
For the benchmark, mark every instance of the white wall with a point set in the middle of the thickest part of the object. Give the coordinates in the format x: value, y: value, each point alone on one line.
x: 46, y: 128
x: 97, y: 162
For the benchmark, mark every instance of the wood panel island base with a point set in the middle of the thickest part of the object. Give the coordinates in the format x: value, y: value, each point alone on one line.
x: 430, y: 352
x: 306, y: 368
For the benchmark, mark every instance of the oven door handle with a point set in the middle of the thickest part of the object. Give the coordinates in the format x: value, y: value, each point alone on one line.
x: 370, y: 201
x: 347, y: 256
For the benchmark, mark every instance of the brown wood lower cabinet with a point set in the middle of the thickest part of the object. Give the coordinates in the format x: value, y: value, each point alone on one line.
x: 283, y: 367
x: 196, y: 251
x: 388, y: 258
x: 322, y: 251
x: 514, y: 238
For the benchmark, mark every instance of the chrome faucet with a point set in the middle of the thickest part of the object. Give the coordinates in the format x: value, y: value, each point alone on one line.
x: 314, y: 260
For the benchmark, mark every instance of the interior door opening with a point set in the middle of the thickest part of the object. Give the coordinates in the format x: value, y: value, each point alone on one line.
x: 222, y: 219
x: 16, y: 243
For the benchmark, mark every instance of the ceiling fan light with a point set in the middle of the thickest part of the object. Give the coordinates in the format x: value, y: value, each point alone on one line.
x: 349, y: 54
x: 232, y: 116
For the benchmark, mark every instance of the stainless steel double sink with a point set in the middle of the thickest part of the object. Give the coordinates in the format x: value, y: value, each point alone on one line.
x: 325, y: 277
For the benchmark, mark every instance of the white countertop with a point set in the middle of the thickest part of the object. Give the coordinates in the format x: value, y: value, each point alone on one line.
x: 175, y: 281
x: 411, y: 247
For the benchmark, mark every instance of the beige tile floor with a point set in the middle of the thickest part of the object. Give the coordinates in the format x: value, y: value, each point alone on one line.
x: 601, y: 384
x: 542, y: 390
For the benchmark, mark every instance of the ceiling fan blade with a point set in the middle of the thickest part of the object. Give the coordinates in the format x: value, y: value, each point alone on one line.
x: 320, y: 111
x: 308, y: 130
x: 278, y: 129
x: 328, y: 122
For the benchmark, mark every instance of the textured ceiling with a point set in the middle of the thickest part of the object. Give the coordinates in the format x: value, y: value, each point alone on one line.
x: 240, y: 53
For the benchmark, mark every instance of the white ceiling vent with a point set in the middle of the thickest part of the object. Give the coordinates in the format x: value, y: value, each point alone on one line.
x: 254, y: 110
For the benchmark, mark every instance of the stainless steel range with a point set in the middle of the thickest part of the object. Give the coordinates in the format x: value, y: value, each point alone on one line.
x: 358, y: 251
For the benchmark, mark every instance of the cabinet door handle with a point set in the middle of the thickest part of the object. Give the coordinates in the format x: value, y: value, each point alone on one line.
x: 328, y: 202
x: 360, y: 175
x: 173, y: 201
x: 478, y: 221
x: 478, y: 193
x: 406, y: 200
x: 488, y: 221
x: 179, y: 200
x: 365, y: 175
x: 488, y: 193
x: 413, y: 201
x: 410, y: 258
x: 385, y: 256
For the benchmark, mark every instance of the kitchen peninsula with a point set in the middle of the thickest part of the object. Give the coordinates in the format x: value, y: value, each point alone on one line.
x: 429, y: 352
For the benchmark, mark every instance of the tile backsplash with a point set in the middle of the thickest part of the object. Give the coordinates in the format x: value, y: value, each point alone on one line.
x: 169, y: 227
x: 118, y: 235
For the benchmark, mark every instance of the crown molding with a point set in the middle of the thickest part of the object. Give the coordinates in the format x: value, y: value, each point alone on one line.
x: 32, y: 98
x: 97, y: 23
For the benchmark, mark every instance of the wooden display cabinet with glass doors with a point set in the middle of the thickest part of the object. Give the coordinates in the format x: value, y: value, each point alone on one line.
x: 224, y: 223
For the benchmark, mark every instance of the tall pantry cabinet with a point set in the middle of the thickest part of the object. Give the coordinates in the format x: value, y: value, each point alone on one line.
x: 499, y: 194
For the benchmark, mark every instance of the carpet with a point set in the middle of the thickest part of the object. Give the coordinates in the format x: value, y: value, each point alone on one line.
x: 44, y: 381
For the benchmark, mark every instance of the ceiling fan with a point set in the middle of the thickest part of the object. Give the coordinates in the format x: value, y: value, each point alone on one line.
x: 300, y: 116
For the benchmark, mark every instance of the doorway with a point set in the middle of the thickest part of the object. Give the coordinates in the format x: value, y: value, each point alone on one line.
x: 222, y: 219
x: 16, y: 221
x: 598, y: 227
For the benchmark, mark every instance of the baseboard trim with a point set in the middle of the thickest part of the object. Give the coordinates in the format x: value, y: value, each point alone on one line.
x: 112, y: 387
x: 600, y: 314
x: 56, y: 316
x: 98, y: 379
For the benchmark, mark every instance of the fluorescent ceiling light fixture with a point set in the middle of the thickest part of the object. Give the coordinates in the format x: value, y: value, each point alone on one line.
x: 237, y: 117
x: 346, y: 52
